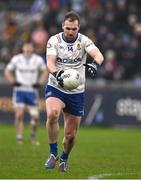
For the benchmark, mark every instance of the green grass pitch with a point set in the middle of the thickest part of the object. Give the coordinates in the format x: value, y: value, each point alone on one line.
x: 99, y: 153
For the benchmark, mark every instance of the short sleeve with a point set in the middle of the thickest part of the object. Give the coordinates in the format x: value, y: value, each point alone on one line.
x: 12, y: 64
x: 89, y: 45
x: 51, y: 46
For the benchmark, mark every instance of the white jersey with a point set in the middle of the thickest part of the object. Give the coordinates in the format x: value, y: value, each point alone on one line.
x: 26, y: 70
x: 69, y: 55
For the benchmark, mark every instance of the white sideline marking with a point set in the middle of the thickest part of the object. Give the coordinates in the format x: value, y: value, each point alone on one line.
x: 99, y: 176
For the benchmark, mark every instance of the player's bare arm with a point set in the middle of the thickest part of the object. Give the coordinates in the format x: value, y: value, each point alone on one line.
x: 43, y: 77
x: 51, y: 66
x: 51, y: 63
x: 9, y: 76
x: 97, y: 61
x: 97, y: 55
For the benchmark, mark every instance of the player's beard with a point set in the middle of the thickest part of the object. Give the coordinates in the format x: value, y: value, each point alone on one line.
x: 71, y: 38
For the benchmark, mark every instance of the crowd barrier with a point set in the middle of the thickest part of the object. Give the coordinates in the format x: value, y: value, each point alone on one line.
x: 104, y: 106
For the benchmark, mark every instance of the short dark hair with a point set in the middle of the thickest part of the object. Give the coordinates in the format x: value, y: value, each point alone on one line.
x: 72, y: 16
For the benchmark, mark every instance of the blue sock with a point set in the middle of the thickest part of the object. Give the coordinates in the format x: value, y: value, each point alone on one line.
x: 53, y: 149
x: 64, y: 156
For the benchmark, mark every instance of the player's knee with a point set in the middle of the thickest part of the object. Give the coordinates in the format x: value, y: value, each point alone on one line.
x: 70, y: 137
x: 52, y: 117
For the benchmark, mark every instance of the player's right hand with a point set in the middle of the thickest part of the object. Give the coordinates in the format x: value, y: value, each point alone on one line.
x: 17, y: 84
x: 58, y: 77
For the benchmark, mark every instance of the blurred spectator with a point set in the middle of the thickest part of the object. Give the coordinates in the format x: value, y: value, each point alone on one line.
x: 26, y: 33
x: 111, y: 68
x: 10, y: 28
x: 38, y: 6
x: 78, y: 5
x: 92, y: 4
x: 39, y: 38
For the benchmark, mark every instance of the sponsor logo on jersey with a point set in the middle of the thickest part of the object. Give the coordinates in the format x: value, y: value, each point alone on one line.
x: 69, y: 60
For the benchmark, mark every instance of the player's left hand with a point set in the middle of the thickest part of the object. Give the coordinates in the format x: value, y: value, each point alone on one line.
x: 36, y: 85
x: 92, y: 68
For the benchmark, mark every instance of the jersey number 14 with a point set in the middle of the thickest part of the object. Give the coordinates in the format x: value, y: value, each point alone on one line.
x: 70, y: 48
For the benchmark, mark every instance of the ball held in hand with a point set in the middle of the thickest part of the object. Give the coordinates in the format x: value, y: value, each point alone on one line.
x: 71, y: 79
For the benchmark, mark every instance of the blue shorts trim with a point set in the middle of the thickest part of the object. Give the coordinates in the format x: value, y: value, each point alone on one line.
x: 24, y: 97
x: 74, y: 103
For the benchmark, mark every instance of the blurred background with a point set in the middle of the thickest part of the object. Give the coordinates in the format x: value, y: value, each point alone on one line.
x: 113, y: 98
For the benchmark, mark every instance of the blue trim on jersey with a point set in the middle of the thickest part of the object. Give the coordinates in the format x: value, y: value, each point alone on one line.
x: 27, y: 98
x: 74, y: 103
